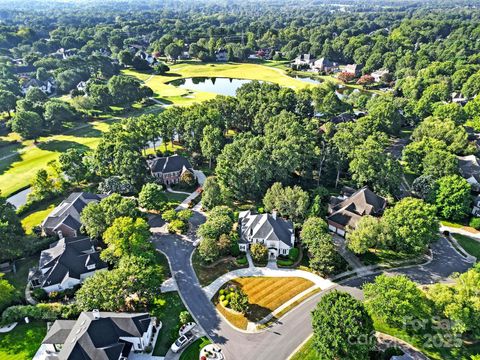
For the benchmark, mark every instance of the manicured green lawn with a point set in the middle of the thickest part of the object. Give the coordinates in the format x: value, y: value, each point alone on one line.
x: 193, y: 351
x: 35, y: 218
x: 22, y: 342
x: 16, y: 172
x: 19, y: 278
x: 470, y: 245
x: 306, y: 352
x: 206, y: 275
x: 167, y: 309
x: 171, y: 94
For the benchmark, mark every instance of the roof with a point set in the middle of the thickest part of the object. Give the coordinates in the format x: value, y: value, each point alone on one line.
x: 68, y: 257
x: 265, y: 226
x: 469, y: 167
x: 97, y: 335
x: 323, y: 62
x: 352, y: 68
x: 69, y: 210
x: 363, y: 202
x: 170, y: 164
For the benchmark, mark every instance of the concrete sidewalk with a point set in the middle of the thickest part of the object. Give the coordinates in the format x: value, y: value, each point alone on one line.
x: 212, y: 289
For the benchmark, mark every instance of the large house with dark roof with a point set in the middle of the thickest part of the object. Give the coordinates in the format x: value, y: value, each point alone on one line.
x: 274, y: 232
x: 65, y: 218
x: 347, y: 210
x: 99, y: 336
x: 168, y: 170
x: 469, y: 167
x: 67, y: 263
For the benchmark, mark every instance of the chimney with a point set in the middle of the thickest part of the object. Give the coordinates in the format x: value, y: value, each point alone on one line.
x: 274, y: 214
x: 96, y: 314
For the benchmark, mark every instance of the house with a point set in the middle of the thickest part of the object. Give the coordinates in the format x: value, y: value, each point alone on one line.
x: 347, y: 210
x: 476, y: 206
x: 168, y: 170
x: 304, y: 60
x: 99, y: 335
x: 458, y: 98
x: 355, y: 69
x: 469, y: 167
x: 378, y: 74
x: 65, y: 218
x: 324, y: 65
x: 149, y: 58
x: 221, y: 55
x: 48, y: 86
x: 67, y: 263
x: 82, y: 86
x: 274, y: 232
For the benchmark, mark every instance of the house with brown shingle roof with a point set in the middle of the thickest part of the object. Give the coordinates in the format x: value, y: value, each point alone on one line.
x: 346, y: 211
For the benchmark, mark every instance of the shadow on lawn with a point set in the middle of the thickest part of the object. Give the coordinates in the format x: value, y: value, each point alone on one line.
x: 61, y: 145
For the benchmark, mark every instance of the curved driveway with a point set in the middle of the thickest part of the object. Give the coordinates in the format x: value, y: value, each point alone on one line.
x: 280, y: 340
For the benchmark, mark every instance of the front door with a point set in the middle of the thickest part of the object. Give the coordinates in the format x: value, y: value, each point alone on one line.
x: 272, y: 255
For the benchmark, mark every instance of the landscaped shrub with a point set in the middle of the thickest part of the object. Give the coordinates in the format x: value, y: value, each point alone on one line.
x: 225, y: 303
x: 242, y: 260
x: 222, y: 291
x: 39, y: 294
x: 293, y: 254
x: 148, y: 349
x: 177, y: 226
x: 50, y: 312
x: 281, y: 262
x: 184, y: 215
x: 222, y: 297
x: 234, y: 249
x: 475, y: 223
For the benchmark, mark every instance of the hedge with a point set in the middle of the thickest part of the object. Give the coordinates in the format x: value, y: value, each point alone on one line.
x: 281, y: 262
x: 49, y: 312
x: 293, y: 254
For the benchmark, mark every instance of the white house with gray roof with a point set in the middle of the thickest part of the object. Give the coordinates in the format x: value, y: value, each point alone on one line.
x: 99, y: 336
x: 274, y: 232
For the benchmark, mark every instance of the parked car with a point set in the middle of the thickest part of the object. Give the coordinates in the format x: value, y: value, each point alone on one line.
x: 182, y: 341
x: 186, y: 328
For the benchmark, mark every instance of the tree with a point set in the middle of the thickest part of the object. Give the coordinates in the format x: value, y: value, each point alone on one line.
x: 7, y: 292
x: 342, y: 328
x: 127, y: 236
x: 114, y: 290
x: 366, y: 80
x: 173, y: 51
x: 28, y: 124
x: 346, y: 77
x: 97, y: 217
x: 42, y: 185
x: 212, y: 142
x: 161, y: 68
x: 313, y: 229
x: 410, y: 225
x: 152, y: 197
x: 291, y: 202
x: 72, y: 165
x: 367, y: 234
x: 259, y: 252
x: 7, y: 101
x: 57, y: 113
x: 184, y: 317
x: 188, y: 178
x: 394, y: 300
x: 115, y: 184
x: 11, y: 231
x: 452, y: 197
x: 371, y: 165
x: 211, y: 195
x: 239, y: 301
x: 125, y: 57
x: 208, y: 249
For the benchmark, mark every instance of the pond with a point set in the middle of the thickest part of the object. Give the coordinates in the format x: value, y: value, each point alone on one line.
x: 19, y: 198
x: 308, y: 79
x: 216, y: 85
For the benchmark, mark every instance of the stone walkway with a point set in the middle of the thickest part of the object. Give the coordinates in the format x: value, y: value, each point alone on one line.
x: 452, y: 230
x: 184, y: 204
x: 350, y: 257
x: 249, y: 259
x: 212, y: 289
x: 169, y: 285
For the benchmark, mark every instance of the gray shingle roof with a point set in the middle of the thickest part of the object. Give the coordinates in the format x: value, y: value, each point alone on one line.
x: 362, y: 202
x: 170, y: 164
x: 91, y: 338
x: 68, y: 257
x: 69, y: 210
x: 265, y: 226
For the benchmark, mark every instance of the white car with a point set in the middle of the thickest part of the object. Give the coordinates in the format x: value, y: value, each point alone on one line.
x: 186, y: 328
x: 182, y: 341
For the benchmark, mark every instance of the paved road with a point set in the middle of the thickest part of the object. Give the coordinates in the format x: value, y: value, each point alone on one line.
x: 279, y: 341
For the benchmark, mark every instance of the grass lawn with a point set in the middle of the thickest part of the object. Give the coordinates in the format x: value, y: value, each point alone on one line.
x: 175, y: 198
x: 167, y: 309
x: 34, y: 218
x: 193, y: 351
x: 19, y: 278
x: 306, y: 352
x: 17, y: 171
x: 22, y: 342
x: 470, y: 245
x: 207, y: 275
x: 385, y: 257
x: 265, y: 294
x: 171, y: 94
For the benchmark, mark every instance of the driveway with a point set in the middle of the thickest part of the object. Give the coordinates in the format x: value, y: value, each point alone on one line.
x: 280, y: 340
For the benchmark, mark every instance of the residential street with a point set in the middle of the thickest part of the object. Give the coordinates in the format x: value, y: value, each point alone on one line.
x: 279, y: 341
